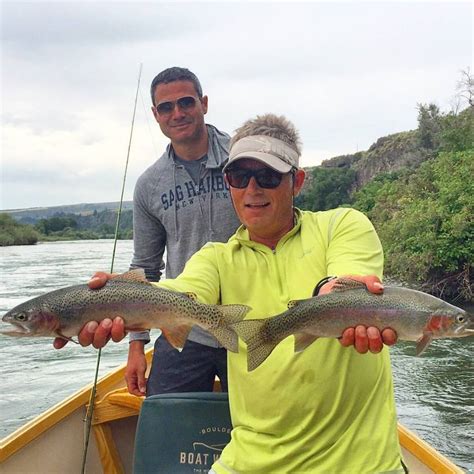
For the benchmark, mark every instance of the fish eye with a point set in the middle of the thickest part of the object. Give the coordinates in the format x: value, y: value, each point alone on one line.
x: 461, y: 319
x: 21, y: 317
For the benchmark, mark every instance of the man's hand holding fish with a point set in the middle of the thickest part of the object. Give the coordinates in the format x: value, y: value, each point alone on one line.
x: 363, y: 338
x: 96, y: 333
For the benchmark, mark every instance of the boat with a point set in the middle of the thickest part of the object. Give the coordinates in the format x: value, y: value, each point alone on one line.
x: 53, y: 442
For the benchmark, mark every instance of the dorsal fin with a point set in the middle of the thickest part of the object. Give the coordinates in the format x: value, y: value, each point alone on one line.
x: 137, y: 275
x: 293, y: 303
x: 344, y: 284
x: 191, y: 296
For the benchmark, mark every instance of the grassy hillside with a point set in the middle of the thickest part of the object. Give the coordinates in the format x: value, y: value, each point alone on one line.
x: 34, y: 214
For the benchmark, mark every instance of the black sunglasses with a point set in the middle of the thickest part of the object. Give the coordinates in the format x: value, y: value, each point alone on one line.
x: 184, y: 103
x: 265, y: 177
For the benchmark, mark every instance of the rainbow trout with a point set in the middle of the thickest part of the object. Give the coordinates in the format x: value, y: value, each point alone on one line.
x: 414, y: 315
x: 62, y: 313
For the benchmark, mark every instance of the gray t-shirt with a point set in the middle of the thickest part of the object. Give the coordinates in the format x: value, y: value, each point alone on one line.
x: 193, y: 167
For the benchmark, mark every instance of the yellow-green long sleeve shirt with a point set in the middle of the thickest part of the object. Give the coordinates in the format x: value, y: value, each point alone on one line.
x: 327, y: 409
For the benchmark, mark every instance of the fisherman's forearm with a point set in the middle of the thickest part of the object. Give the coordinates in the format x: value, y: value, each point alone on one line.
x: 137, y: 346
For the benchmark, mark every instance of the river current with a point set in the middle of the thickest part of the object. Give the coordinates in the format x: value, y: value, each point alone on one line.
x: 434, y: 393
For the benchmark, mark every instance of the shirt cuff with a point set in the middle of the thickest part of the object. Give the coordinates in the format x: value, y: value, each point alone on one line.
x: 139, y: 336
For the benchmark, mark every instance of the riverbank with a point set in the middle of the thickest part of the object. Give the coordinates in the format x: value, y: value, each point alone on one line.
x: 90, y: 225
x: 14, y: 233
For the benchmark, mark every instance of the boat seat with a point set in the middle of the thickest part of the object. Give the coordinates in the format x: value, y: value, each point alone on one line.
x: 181, y: 432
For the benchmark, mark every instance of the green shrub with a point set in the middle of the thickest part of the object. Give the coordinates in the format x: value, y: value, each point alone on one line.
x: 330, y: 188
x: 14, y: 233
x: 425, y: 223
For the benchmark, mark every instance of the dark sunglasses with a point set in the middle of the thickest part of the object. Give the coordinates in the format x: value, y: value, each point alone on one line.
x: 265, y: 177
x: 184, y: 103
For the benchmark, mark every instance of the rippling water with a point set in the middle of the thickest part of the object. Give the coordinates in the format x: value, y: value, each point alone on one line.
x: 435, y: 397
x: 434, y: 392
x: 34, y: 375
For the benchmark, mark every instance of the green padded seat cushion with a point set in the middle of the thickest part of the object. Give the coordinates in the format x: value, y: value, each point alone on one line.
x: 181, y: 432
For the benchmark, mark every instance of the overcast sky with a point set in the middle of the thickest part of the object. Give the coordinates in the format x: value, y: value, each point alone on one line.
x: 344, y: 73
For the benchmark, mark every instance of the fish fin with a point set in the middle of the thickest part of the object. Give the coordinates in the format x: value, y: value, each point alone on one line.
x: 293, y: 303
x: 136, y: 275
x: 423, y: 342
x: 233, y: 313
x: 62, y: 336
x: 191, y: 296
x: 258, y: 349
x: 138, y: 328
x: 345, y: 283
x: 224, y: 333
x: 303, y: 340
x: 177, y: 336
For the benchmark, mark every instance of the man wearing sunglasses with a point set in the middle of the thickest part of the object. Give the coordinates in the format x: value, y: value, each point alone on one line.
x: 329, y: 408
x: 180, y: 203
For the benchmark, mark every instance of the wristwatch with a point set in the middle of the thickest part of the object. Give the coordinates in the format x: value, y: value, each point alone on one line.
x: 322, y: 282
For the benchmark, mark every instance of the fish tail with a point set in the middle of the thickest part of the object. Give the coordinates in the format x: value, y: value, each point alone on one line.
x: 258, y: 347
x: 224, y: 333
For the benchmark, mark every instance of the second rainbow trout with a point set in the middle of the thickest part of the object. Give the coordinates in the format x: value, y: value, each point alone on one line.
x: 414, y: 315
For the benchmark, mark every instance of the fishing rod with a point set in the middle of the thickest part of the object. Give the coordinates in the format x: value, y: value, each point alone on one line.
x: 90, y: 408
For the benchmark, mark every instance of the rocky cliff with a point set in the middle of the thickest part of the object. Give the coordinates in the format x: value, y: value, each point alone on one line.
x: 387, y: 154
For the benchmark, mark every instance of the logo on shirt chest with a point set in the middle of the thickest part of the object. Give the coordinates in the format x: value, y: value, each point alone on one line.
x: 189, y: 193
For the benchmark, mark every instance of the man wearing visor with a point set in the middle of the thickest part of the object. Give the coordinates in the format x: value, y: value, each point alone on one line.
x: 329, y: 408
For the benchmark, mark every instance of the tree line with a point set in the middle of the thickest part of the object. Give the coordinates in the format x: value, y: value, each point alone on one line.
x: 98, y: 225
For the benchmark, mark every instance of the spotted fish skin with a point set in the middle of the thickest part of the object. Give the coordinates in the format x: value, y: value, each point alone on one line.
x: 142, y: 305
x: 414, y: 315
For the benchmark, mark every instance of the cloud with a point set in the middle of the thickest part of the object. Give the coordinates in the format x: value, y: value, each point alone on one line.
x: 64, y: 24
x: 344, y: 73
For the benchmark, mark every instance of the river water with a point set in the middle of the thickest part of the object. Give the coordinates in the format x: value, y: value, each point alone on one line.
x: 434, y: 393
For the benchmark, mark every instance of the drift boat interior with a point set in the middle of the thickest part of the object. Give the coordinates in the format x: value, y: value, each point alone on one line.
x: 182, y: 433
